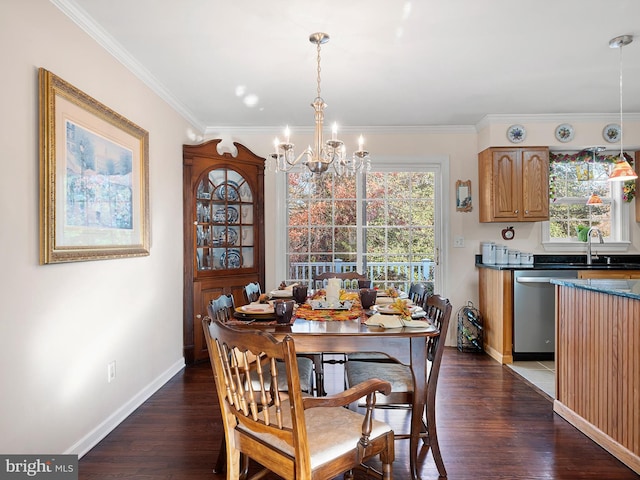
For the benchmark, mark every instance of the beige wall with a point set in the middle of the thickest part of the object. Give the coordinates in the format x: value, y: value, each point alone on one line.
x: 61, y: 324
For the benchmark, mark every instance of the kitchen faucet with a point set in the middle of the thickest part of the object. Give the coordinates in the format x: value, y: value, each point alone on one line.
x: 599, y: 233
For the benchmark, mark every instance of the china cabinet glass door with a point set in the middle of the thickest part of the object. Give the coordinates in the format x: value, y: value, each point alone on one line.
x: 224, y: 223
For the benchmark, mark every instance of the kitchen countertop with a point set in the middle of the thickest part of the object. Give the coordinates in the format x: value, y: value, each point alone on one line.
x: 622, y: 288
x: 570, y: 262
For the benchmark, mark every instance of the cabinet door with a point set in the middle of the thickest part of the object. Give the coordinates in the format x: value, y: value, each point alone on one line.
x: 535, y: 185
x: 506, y: 191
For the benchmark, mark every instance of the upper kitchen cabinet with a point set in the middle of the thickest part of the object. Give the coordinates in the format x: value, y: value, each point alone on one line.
x: 513, y: 184
x: 223, y: 232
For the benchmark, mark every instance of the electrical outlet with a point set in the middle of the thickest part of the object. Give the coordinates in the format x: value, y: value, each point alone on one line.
x: 458, y: 242
x: 111, y: 371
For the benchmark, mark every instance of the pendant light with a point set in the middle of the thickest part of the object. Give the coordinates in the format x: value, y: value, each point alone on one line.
x: 622, y: 171
x: 594, y: 198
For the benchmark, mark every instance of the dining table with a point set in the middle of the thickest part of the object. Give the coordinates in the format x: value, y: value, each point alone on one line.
x: 408, y: 345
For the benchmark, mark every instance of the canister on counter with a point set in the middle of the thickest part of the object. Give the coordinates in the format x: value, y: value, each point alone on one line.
x: 488, y: 250
x: 502, y: 257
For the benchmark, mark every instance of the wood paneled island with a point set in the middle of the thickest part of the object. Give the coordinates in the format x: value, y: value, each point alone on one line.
x: 598, y: 362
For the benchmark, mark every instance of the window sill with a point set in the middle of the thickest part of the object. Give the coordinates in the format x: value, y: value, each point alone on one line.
x: 581, y: 247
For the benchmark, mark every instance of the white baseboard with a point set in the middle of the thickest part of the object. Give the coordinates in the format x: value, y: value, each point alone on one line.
x: 101, y: 431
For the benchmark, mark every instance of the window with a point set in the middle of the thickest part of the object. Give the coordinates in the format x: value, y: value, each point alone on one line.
x: 383, y: 224
x: 572, y: 179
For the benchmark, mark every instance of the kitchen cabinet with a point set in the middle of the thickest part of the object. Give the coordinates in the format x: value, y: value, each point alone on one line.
x: 513, y: 184
x: 223, y: 232
x: 496, y: 306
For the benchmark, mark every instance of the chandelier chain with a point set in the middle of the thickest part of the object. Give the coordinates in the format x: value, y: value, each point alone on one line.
x: 319, y: 69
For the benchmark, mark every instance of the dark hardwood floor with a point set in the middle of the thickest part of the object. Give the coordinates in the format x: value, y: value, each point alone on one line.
x: 491, y: 425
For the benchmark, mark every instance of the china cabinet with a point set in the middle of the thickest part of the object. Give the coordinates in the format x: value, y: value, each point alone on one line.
x: 223, y: 232
x: 513, y: 184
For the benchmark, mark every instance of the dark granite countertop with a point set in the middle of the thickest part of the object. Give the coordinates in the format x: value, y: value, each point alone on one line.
x: 571, y: 262
x: 622, y: 288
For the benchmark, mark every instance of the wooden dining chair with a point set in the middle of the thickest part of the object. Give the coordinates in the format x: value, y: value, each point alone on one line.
x: 293, y: 436
x: 221, y: 309
x: 349, y: 279
x: 252, y: 292
x: 417, y: 291
x: 438, y: 310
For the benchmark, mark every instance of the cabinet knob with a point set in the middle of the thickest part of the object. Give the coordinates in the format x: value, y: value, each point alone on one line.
x: 198, y: 316
x: 516, y: 211
x: 527, y: 212
x: 195, y: 223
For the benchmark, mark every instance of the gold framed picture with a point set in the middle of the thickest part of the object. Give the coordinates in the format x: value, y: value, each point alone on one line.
x: 94, y: 179
x: 463, y: 196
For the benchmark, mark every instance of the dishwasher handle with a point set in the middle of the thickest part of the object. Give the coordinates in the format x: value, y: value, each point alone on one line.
x: 534, y: 279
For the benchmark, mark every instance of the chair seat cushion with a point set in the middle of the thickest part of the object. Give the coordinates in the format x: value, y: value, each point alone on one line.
x: 369, y: 357
x: 397, y: 374
x: 305, y: 370
x: 331, y: 432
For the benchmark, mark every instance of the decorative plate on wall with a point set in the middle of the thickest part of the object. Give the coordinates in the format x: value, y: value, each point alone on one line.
x: 564, y: 133
x: 516, y: 133
x: 611, y: 133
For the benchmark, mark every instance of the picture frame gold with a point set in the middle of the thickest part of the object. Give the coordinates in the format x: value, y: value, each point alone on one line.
x: 94, y: 178
x: 463, y: 196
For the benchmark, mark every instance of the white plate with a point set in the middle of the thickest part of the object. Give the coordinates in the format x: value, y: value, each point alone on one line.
x: 564, y: 133
x: 387, y: 309
x: 257, y: 308
x: 516, y: 133
x: 611, y: 133
x: 281, y: 293
x: 401, y: 294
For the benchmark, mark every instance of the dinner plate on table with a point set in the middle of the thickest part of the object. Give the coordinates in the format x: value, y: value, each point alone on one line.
x: 389, y: 300
x: 256, y: 308
x: 281, y: 293
x: 383, y: 294
x: 242, y: 314
x: 389, y: 310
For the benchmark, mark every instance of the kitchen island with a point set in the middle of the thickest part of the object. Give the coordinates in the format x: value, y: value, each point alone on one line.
x: 598, y: 362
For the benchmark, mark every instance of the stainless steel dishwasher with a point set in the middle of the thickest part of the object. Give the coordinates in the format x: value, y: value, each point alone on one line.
x: 534, y: 313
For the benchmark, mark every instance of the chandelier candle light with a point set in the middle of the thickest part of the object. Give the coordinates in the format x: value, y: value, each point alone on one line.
x: 323, y: 154
x: 622, y: 171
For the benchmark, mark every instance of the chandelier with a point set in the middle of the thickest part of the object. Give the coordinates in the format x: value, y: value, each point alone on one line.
x: 324, y: 153
x: 622, y: 171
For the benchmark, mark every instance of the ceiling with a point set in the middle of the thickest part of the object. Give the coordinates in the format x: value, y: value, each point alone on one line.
x: 389, y: 63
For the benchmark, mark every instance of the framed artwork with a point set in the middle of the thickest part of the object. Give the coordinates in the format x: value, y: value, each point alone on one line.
x: 94, y: 179
x: 463, y: 196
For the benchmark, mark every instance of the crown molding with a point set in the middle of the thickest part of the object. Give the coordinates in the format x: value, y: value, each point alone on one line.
x: 500, y: 119
x: 350, y: 130
x: 87, y: 24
